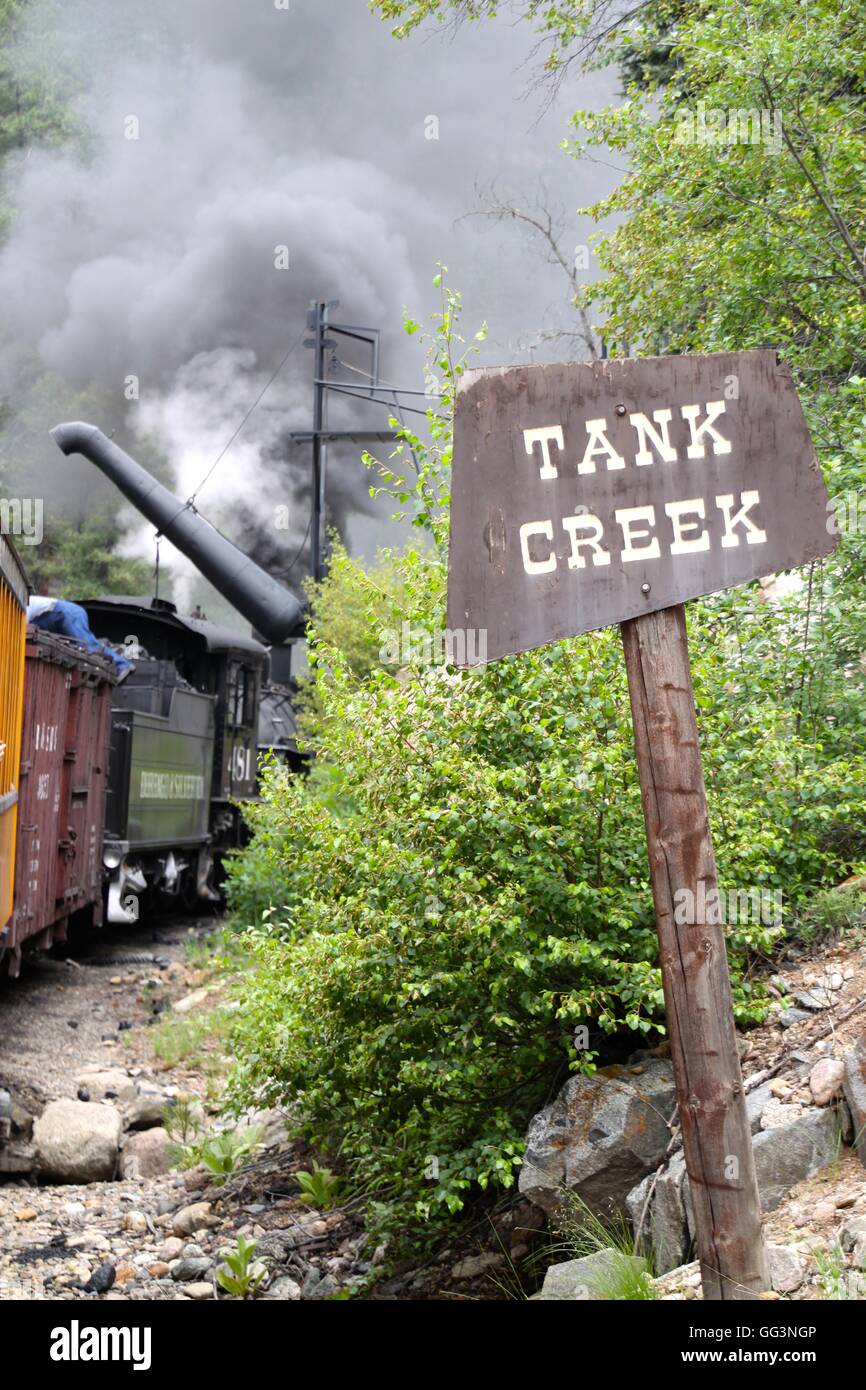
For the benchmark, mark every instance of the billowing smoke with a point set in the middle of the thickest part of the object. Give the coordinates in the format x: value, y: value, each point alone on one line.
x: 236, y: 160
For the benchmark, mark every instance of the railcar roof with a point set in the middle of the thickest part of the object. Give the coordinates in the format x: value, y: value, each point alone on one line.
x: 215, y: 637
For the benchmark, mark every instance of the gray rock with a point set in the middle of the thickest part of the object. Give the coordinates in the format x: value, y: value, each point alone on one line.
x: 317, y: 1287
x: 599, y: 1137
x: 590, y: 1279
x: 77, y: 1142
x: 789, y: 1153
x: 186, y: 1270
x: 814, y: 999
x: 284, y: 1289
x: 784, y: 1156
x: 854, y: 1089
x: 789, y: 1017
x: 102, y: 1278
x: 476, y: 1265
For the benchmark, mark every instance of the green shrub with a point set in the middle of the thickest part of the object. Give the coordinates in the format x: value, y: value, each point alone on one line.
x: 238, y: 1275
x: 319, y: 1187
x: 228, y: 1151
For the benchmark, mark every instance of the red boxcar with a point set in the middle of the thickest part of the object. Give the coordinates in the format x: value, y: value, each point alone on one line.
x: 61, y: 802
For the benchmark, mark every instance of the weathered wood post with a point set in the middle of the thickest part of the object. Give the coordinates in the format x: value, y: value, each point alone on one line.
x: 717, y: 1142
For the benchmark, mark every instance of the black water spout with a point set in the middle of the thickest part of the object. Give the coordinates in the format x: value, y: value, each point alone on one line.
x: 273, y: 610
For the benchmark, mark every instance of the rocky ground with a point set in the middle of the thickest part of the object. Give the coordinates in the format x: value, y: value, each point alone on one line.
x: 100, y: 1051
x: 96, y: 1050
x: 805, y: 1082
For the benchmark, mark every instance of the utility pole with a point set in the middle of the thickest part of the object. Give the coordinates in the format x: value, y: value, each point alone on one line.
x: 317, y: 319
x: 326, y: 335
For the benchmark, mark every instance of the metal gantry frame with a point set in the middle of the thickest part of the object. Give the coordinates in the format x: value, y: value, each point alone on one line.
x: 326, y: 333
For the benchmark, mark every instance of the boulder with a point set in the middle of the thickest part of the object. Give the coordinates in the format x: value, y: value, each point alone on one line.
x: 777, y: 1113
x: 668, y: 1224
x: 784, y: 1155
x: 147, y: 1110
x: 825, y: 1080
x: 146, y: 1154
x: 107, y: 1083
x: 593, y: 1278
x: 77, y: 1142
x: 789, y: 1153
x: 599, y: 1137
x: 854, y: 1088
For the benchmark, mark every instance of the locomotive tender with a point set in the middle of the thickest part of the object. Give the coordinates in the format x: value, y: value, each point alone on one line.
x: 133, y: 787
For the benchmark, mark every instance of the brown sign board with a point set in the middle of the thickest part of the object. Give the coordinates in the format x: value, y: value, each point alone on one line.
x: 585, y: 494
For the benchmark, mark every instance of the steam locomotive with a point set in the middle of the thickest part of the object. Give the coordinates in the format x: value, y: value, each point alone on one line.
x: 111, y: 793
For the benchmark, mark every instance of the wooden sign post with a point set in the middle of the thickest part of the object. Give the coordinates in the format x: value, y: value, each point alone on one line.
x: 586, y: 495
x: 717, y: 1139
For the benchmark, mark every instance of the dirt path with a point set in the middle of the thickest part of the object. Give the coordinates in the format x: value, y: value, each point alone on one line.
x: 64, y: 1015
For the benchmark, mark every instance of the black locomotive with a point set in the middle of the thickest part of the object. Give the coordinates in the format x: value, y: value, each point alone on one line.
x: 197, y: 708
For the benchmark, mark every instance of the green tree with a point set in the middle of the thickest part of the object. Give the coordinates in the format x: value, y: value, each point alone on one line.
x: 79, y: 560
x: 34, y: 108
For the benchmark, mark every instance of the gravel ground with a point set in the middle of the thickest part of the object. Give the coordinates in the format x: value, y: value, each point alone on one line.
x: 63, y: 1015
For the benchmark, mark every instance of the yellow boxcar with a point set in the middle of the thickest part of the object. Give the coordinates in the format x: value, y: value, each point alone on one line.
x: 13, y: 610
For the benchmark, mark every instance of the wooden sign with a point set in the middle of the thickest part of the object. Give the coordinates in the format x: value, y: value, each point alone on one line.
x: 586, y: 494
